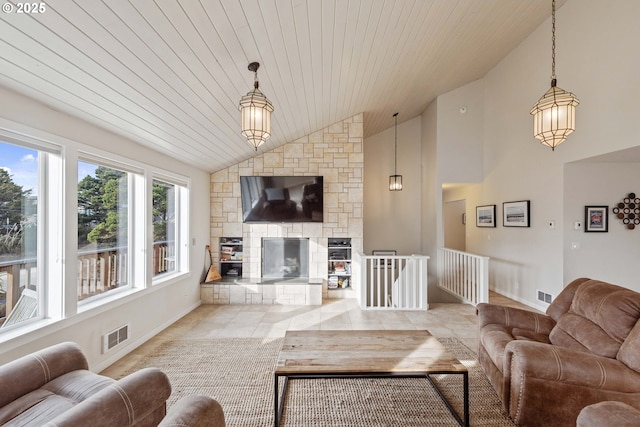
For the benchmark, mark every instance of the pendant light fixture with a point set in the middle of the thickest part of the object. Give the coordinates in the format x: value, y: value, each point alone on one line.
x: 255, y: 111
x: 554, y: 115
x: 395, y: 180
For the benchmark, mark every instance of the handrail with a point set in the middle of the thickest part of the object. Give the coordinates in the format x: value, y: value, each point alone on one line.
x: 393, y: 282
x: 464, y: 275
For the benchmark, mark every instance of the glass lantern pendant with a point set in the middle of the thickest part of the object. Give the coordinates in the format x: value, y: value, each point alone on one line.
x: 255, y: 111
x: 554, y: 115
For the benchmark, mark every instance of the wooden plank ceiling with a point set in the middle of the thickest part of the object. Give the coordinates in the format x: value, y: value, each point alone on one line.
x: 169, y: 73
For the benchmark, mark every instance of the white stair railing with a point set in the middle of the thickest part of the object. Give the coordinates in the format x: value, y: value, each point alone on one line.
x: 464, y: 275
x: 393, y: 282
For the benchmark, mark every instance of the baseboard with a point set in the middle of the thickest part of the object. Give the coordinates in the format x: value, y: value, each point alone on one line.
x: 539, y: 307
x: 129, y: 347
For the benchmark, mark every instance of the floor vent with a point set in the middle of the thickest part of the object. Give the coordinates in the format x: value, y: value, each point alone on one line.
x: 115, y: 337
x: 545, y: 297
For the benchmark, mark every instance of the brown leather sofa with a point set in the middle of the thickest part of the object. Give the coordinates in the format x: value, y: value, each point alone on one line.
x: 53, y: 387
x: 585, y: 350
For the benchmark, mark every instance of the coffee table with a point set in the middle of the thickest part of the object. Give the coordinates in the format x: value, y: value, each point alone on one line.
x: 366, y: 354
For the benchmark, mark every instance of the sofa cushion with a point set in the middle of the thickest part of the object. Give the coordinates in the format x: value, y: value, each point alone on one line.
x: 562, y: 302
x: 32, y: 371
x: 34, y: 409
x: 78, y: 385
x: 600, y: 318
x: 629, y: 353
x: 494, y: 339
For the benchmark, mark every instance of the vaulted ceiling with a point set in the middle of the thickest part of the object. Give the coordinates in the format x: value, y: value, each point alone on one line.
x: 169, y: 74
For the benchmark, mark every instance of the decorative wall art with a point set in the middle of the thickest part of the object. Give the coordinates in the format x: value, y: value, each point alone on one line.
x: 596, y: 218
x: 486, y: 216
x: 628, y: 211
x: 515, y: 214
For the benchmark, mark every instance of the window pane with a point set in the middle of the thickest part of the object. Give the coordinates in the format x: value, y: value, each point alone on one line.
x: 18, y: 234
x: 103, y: 218
x: 164, y: 227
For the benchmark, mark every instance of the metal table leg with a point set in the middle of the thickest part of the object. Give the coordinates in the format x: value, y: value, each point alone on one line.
x: 278, y: 404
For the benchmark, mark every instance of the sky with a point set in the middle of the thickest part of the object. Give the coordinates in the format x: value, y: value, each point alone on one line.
x: 21, y: 164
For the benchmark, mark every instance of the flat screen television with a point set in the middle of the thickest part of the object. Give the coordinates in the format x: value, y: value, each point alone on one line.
x: 282, y: 198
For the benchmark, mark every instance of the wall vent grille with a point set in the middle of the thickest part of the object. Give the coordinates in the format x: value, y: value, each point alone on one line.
x: 545, y: 297
x: 114, y: 338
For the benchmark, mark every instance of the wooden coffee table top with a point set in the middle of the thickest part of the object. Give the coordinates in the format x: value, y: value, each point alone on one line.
x: 364, y: 352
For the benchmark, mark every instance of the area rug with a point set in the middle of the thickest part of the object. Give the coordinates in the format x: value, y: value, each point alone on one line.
x: 238, y: 372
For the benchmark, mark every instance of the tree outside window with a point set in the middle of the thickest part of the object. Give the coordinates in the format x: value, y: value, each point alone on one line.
x: 18, y: 232
x: 164, y: 227
x: 103, y: 218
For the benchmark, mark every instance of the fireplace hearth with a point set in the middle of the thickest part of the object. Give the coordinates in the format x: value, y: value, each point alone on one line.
x: 285, y: 257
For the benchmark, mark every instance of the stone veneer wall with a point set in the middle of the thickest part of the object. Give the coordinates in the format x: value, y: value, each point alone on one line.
x: 336, y: 153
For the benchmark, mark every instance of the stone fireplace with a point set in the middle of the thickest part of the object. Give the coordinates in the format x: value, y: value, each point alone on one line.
x: 335, y: 153
x: 285, y: 257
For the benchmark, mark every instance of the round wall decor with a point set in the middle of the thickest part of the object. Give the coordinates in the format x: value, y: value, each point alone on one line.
x: 628, y: 211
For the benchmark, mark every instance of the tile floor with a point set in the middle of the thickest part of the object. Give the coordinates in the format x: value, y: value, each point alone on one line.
x: 442, y: 320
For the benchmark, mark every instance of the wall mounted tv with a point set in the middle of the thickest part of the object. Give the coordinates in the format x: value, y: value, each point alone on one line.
x: 281, y: 198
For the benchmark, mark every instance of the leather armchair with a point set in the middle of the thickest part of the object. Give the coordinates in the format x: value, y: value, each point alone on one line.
x: 547, y: 367
x: 54, y: 387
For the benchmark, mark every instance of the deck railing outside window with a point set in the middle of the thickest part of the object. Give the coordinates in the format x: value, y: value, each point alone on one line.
x: 98, y: 271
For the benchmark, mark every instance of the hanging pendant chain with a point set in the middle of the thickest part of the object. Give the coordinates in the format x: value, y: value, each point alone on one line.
x: 553, y: 39
x: 395, y: 156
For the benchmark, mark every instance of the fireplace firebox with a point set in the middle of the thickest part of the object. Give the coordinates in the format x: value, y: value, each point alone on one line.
x: 285, y: 257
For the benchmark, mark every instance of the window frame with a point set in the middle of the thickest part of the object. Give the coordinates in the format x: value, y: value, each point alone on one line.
x: 58, y: 221
x: 182, y: 192
x: 50, y: 246
x: 135, y: 198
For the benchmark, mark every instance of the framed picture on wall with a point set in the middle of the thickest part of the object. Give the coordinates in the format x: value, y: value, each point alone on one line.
x: 486, y: 216
x: 515, y: 214
x: 596, y: 219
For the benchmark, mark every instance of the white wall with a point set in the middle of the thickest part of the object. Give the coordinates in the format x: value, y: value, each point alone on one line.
x: 431, y: 200
x: 459, y: 154
x: 460, y: 138
x: 148, y: 311
x: 392, y: 218
x: 612, y: 256
x: 454, y: 217
x: 492, y: 148
x: 599, y: 63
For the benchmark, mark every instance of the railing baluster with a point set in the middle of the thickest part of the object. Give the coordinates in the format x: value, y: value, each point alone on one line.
x: 464, y: 275
x: 394, y: 282
x: 98, y: 271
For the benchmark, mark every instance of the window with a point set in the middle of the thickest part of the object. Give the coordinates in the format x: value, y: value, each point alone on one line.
x: 19, y: 220
x: 116, y: 203
x: 103, y: 229
x: 164, y: 228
